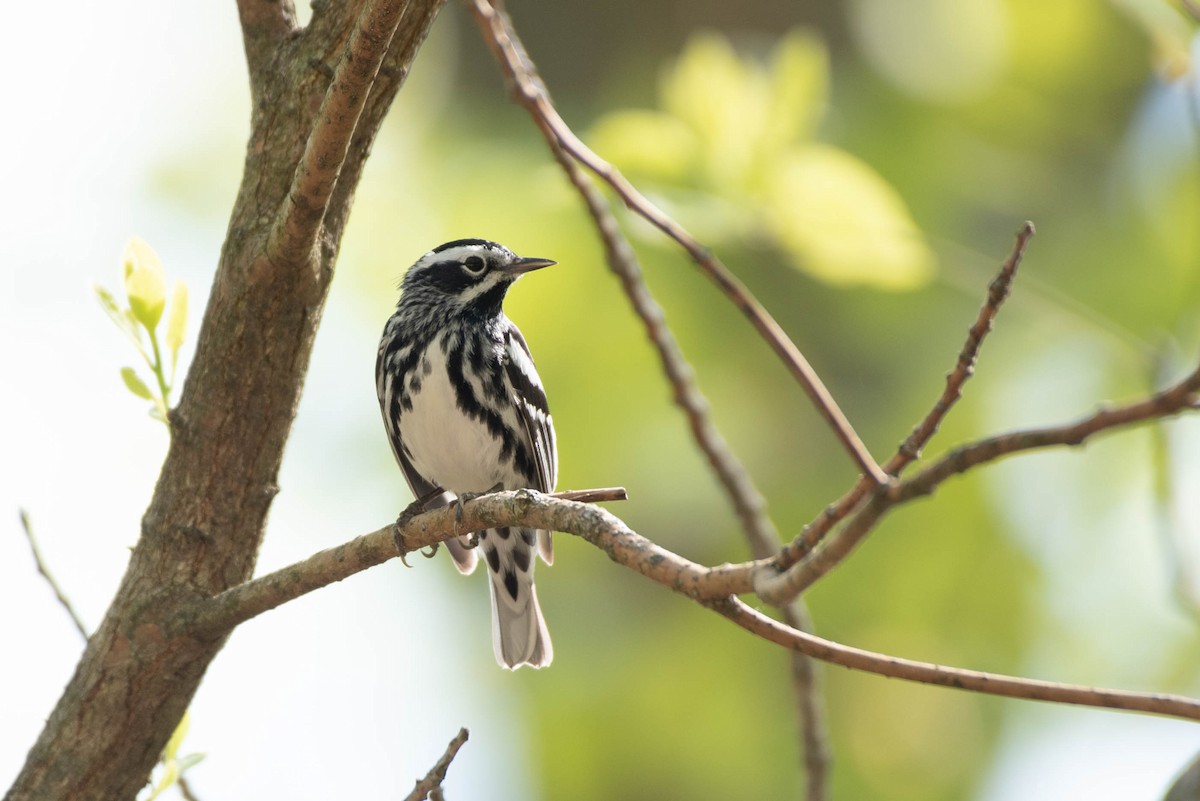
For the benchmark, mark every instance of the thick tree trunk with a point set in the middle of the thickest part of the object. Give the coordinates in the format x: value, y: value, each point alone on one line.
x: 202, y: 531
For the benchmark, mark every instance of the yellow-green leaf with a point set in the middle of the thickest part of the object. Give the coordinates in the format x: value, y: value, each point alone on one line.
x: 145, y: 283
x: 724, y: 100
x: 135, y: 384
x: 647, y: 144
x: 799, y: 88
x: 840, y: 221
x: 177, y: 320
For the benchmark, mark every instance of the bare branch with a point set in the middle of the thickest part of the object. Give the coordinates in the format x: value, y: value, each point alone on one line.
x: 1180, y: 397
x: 185, y: 789
x: 712, y: 587
x: 599, y: 495
x: 964, y: 368
x: 910, y: 449
x: 437, y: 774
x: 294, y: 233
x: 218, y: 616
x: 959, y: 678
x: 779, y: 588
x: 815, y: 751
x: 45, y: 571
x: 531, y: 93
x: 747, y: 501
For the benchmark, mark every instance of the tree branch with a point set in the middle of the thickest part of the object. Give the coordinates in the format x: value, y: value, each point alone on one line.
x: 294, y: 233
x: 437, y: 774
x: 964, y: 368
x: 713, y: 587
x: 531, y: 93
x: 266, y: 24
x: 45, y: 572
x: 959, y: 678
x: 779, y: 588
x: 911, y: 448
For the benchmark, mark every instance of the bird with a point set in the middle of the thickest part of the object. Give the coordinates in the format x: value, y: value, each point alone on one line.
x: 466, y: 413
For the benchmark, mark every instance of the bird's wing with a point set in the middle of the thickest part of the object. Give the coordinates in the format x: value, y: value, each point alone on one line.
x: 529, y: 398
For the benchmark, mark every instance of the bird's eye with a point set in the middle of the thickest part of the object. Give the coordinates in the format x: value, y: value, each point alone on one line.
x: 474, y: 265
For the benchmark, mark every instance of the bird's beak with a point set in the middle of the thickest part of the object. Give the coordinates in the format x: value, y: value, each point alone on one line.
x: 522, y: 266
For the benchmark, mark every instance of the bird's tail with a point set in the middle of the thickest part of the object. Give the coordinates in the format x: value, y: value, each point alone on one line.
x: 519, y: 633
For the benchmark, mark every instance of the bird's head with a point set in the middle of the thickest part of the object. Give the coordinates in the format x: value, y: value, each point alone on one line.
x: 465, y: 276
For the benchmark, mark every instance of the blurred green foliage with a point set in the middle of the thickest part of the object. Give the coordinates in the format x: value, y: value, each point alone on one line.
x: 829, y: 152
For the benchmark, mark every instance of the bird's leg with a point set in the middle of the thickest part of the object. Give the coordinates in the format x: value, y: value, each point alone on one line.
x: 412, y: 510
x: 473, y: 537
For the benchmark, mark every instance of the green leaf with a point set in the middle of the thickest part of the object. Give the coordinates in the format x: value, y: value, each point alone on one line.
x: 121, y: 318
x: 191, y: 760
x: 177, y: 321
x: 145, y: 283
x: 135, y: 384
x: 841, y: 222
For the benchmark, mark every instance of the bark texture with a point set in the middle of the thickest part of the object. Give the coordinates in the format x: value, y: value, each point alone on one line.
x: 319, y: 96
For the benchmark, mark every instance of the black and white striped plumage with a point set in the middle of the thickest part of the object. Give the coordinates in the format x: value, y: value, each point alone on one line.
x: 465, y: 412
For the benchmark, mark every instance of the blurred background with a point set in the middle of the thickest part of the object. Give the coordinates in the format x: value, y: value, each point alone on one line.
x: 863, y: 166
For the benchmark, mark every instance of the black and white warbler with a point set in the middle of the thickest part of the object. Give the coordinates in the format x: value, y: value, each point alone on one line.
x: 465, y: 412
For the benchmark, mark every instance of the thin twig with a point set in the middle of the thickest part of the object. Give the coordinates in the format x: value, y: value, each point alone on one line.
x: 816, y: 753
x: 964, y: 368
x: 747, y: 501
x: 45, y: 571
x: 185, y: 789
x: 599, y: 495
x: 911, y: 448
x: 294, y: 233
x: 959, y: 678
x: 437, y: 774
x: 531, y: 93
x: 779, y: 588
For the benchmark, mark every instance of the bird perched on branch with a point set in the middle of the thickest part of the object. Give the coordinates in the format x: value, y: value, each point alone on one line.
x: 466, y: 413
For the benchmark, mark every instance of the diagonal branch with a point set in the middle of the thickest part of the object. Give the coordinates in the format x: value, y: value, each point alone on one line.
x: 531, y: 93
x: 747, y: 501
x: 964, y: 368
x: 744, y: 496
x: 927, y: 673
x: 910, y: 449
x: 294, y: 233
x: 54, y: 585
x: 779, y: 588
x: 437, y: 774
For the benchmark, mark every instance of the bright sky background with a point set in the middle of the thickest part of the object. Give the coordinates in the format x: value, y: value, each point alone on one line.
x: 314, y: 701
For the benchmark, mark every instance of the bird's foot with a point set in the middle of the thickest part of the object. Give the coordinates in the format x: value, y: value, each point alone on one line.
x: 405, y: 517
x: 458, y: 509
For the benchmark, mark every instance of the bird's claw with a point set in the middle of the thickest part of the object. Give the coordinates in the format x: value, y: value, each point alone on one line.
x: 430, y: 551
x: 404, y: 518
